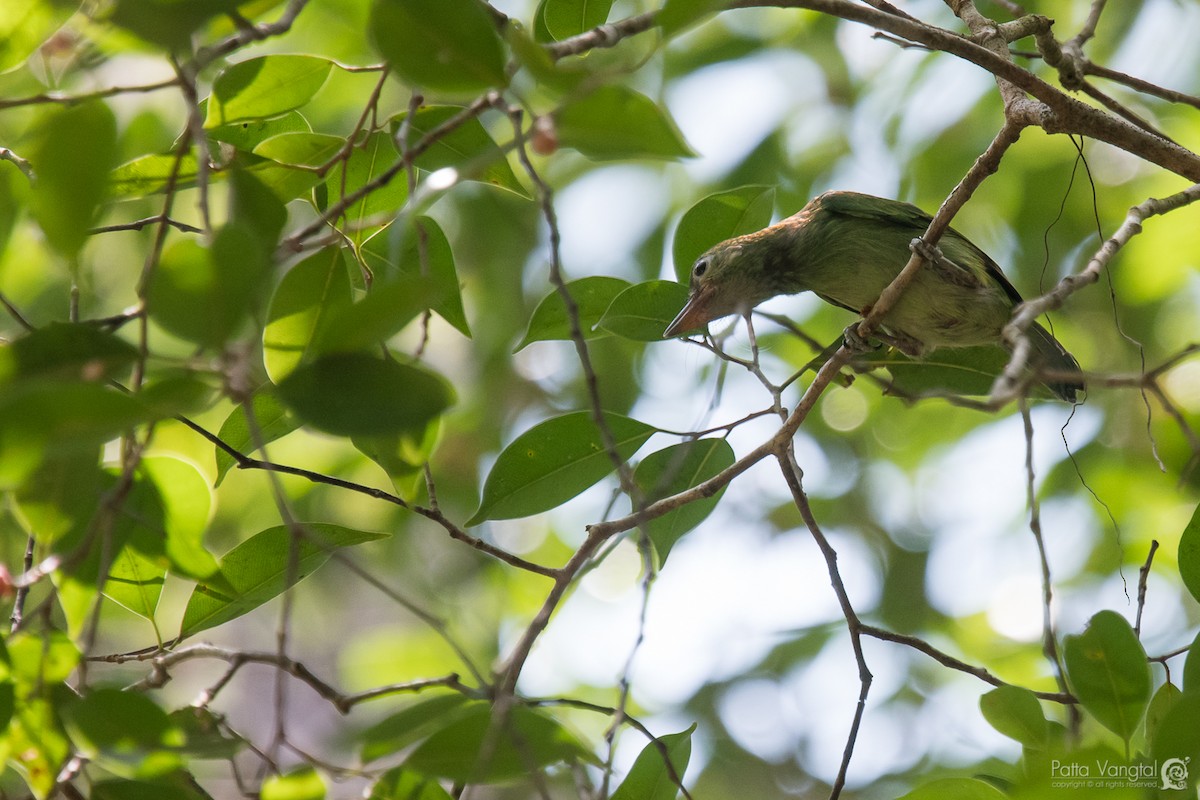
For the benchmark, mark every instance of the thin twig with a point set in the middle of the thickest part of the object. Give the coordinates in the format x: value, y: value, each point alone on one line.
x: 1143, y: 578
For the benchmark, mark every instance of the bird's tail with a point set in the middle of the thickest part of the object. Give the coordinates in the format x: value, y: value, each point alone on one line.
x: 1050, y: 355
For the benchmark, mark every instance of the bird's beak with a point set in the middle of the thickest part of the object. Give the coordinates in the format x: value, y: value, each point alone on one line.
x: 695, y: 314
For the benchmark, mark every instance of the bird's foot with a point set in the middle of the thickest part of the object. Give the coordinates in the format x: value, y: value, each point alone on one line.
x: 930, y: 252
x: 905, y: 344
x: 856, y: 343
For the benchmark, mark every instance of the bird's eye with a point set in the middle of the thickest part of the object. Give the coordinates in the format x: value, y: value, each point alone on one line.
x: 700, y: 268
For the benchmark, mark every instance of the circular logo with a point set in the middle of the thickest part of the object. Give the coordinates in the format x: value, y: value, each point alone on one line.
x: 1175, y: 773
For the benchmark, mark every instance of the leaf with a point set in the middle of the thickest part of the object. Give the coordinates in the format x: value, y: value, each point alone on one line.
x: 592, y: 296
x: 1176, y: 744
x: 441, y: 45
x: 956, y: 370
x: 675, y: 469
x: 1160, y: 705
x: 302, y: 783
x: 125, y: 732
x: 1107, y: 668
x: 300, y: 149
x: 614, y: 123
x: 25, y: 26
x: 256, y: 207
x: 1189, y: 555
x: 264, y: 87
x: 554, y: 461
x: 467, y: 147
x: 716, y: 218
x: 147, y: 175
x: 679, y: 14
x: 528, y: 741
x: 272, y: 418
x: 399, y: 730
x: 309, y: 295
x: 65, y: 351
x: 167, y: 512
x: 354, y: 394
x: 74, y: 152
x: 955, y: 789
x: 1191, y: 668
x: 386, y: 310
x: 249, y: 134
x: 399, y: 783
x: 168, y: 23
x: 367, y: 163
x: 256, y: 571
x: 1015, y: 712
x: 649, y: 778
x: 643, y: 311
x: 566, y: 18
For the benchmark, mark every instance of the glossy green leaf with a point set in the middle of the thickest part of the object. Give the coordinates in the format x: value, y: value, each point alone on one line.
x: 1189, y: 555
x: 530, y: 740
x: 387, y: 309
x: 402, y: 456
x: 178, y: 785
x: 257, y: 570
x: 256, y: 208
x: 168, y: 23
x: 401, y: 729
x: 1164, y: 699
x: 1176, y: 745
x: 263, y: 87
x: 955, y: 370
x: 592, y: 297
x: 125, y: 732
x: 399, y: 783
x: 1191, y: 668
x: 955, y: 789
x: 658, y: 770
x: 439, y: 45
x: 38, y: 744
x: 300, y: 148
x: 147, y: 175
x: 566, y: 18
x: 273, y: 422
x: 204, y: 734
x: 367, y: 163
x: 554, y: 461
x: 1108, y: 672
x: 167, y: 512
x: 135, y: 582
x: 60, y: 498
x: 25, y: 26
x: 466, y: 146
x: 65, y: 351
x: 354, y: 394
x: 307, y: 298
x: 643, y: 311
x: 675, y: 469
x: 304, y: 783
x: 615, y: 122
x: 719, y: 217
x: 677, y: 15
x: 1015, y: 712
x: 248, y: 135
x: 75, y: 151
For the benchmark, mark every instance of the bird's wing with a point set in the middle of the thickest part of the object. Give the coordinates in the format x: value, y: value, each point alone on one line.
x: 908, y: 216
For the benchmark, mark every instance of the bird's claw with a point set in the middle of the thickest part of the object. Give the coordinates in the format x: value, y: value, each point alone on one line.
x: 856, y: 343
x: 930, y: 252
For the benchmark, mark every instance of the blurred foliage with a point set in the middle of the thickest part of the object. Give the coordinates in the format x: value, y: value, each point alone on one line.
x: 310, y: 312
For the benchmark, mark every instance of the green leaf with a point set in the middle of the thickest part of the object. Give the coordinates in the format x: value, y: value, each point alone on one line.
x: 467, y: 147
x: 1189, y: 555
x: 675, y: 469
x: 256, y: 207
x: 386, y: 310
x: 203, y: 295
x: 1107, y: 668
x: 176, y: 785
x: 75, y: 150
x: 7, y: 690
x: 204, y: 735
x: 955, y: 789
x: 256, y: 571
x: 615, y: 122
x: 25, y: 26
x: 125, y: 732
x: 650, y: 778
x: 592, y: 296
x: 135, y: 582
x: 1191, y: 668
x: 1176, y: 744
x: 274, y: 422
x: 1160, y: 705
x: 309, y: 295
x: 566, y: 18
x: 300, y: 149
x: 402, y: 456
x: 956, y: 370
x: 679, y: 14
x: 264, y: 87
x: 65, y: 351
x: 303, y: 783
x: 250, y: 134
x: 399, y: 783
x: 368, y: 162
x: 399, y: 730
x: 1015, y: 712
x: 554, y: 461
x: 643, y: 311
x: 716, y: 218
x: 440, y: 45
x: 147, y: 175
x: 167, y: 512
x: 354, y: 394
x: 528, y: 741
x: 168, y: 23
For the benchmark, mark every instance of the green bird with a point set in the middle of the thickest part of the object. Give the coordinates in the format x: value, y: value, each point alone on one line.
x: 846, y: 247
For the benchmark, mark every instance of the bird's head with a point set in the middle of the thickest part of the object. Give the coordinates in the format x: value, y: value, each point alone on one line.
x: 730, y: 278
